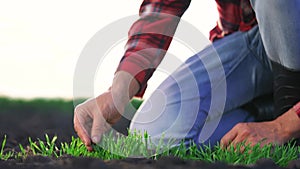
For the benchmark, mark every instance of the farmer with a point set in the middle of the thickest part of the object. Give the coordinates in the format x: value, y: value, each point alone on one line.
x: 257, y: 42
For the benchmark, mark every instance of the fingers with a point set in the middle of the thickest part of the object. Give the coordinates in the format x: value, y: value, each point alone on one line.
x: 99, y: 127
x: 90, y: 119
x: 241, y: 137
x: 82, y: 133
x: 241, y: 134
x: 229, y: 137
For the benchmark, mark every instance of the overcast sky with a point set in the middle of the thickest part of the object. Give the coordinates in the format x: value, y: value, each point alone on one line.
x: 41, y: 40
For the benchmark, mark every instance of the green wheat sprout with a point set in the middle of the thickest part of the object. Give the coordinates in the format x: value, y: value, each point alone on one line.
x: 139, y: 145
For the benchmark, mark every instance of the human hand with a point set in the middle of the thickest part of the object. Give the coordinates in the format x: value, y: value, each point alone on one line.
x: 94, y: 117
x: 253, y: 133
x: 278, y: 131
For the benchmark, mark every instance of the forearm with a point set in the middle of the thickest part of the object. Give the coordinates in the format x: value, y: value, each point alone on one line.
x: 124, y: 85
x: 123, y: 88
x: 290, y: 124
x: 150, y: 37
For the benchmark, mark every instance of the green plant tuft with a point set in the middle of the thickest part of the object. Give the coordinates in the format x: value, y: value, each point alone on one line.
x: 3, y: 155
x: 116, y: 146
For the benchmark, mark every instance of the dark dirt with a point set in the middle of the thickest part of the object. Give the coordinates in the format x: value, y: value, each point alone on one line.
x: 19, y: 126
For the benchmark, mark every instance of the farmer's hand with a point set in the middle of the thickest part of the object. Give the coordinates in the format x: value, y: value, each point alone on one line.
x: 95, y: 116
x: 278, y: 131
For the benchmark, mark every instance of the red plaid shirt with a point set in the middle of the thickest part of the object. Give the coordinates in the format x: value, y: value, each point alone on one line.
x: 151, y: 35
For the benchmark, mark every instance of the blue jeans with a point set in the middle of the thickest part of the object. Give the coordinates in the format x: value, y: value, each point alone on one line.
x: 279, y: 24
x: 201, y: 101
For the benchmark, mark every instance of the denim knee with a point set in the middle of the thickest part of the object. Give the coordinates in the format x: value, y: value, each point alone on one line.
x: 280, y: 30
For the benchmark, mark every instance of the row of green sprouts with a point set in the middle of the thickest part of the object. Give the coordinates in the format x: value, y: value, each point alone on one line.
x: 137, y: 145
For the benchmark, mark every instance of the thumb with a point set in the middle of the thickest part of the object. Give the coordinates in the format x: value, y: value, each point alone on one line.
x: 98, y: 128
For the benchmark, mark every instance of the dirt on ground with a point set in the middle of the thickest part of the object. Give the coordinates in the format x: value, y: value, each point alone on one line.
x: 19, y: 126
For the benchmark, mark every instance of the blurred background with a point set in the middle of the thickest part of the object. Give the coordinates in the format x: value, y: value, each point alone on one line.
x: 40, y: 42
